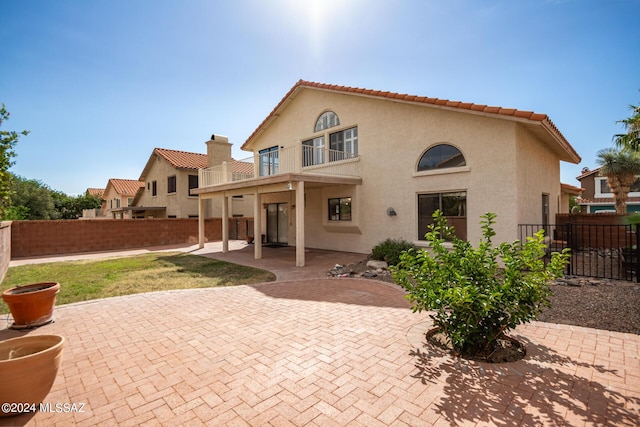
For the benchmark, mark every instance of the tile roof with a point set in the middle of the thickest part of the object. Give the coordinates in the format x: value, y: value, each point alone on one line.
x: 241, y: 167
x: 607, y: 200
x: 445, y: 103
x: 125, y: 187
x: 586, y: 173
x: 567, y: 188
x: 182, y: 159
x: 96, y: 192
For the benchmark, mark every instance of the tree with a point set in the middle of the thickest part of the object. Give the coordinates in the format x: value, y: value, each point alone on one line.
x: 8, y: 141
x: 477, y: 294
x: 631, y: 139
x: 32, y: 199
x: 620, y: 167
x: 34, y: 196
x: 71, y: 207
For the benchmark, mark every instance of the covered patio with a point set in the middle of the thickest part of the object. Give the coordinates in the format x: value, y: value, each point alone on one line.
x: 294, y: 183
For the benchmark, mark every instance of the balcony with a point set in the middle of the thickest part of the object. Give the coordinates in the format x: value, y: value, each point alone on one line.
x: 297, y: 159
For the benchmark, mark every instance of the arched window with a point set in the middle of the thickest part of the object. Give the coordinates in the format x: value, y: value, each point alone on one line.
x: 328, y: 119
x: 441, y: 156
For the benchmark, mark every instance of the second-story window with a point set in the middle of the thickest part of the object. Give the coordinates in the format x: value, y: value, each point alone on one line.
x: 327, y: 120
x: 313, y: 151
x: 269, y: 161
x: 193, y: 183
x: 171, y: 184
x: 154, y: 188
x: 343, y: 144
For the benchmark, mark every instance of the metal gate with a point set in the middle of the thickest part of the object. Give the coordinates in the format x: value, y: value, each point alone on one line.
x: 597, y: 250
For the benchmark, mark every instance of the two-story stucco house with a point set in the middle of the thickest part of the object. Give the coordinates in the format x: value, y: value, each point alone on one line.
x: 597, y: 196
x: 169, y: 178
x: 118, y: 195
x: 344, y: 168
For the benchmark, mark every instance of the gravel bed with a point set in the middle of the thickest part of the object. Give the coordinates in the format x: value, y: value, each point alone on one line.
x: 612, y: 305
x: 609, y: 304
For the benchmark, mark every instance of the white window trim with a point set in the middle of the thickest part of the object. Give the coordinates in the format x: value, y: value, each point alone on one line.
x: 601, y: 195
x: 598, y: 185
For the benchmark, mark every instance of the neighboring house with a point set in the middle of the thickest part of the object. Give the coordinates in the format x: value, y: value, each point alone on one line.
x: 94, y: 213
x: 118, y: 195
x: 566, y: 193
x: 344, y: 168
x: 597, y: 196
x: 169, y: 178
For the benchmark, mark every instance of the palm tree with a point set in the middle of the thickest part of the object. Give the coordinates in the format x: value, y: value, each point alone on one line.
x: 620, y: 167
x: 631, y: 139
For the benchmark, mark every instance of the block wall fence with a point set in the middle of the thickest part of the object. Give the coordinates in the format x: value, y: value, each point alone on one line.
x: 58, y: 237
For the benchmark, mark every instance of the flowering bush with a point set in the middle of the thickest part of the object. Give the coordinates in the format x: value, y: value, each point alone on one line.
x: 475, y: 299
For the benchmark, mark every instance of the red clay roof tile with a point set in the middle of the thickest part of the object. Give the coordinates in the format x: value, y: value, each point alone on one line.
x: 95, y: 192
x: 183, y: 159
x: 125, y: 187
x: 411, y: 98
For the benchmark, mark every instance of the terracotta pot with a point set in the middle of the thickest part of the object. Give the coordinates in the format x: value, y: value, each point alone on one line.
x: 28, y: 368
x: 31, y: 305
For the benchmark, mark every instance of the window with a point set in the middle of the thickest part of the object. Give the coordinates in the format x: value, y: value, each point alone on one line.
x: 340, y: 209
x: 129, y: 201
x: 313, y: 151
x: 269, y: 161
x: 193, y: 183
x: 452, y: 205
x: 117, y: 203
x: 171, y: 184
x: 343, y: 144
x: 154, y: 188
x: 441, y: 156
x: 327, y: 120
x: 603, y: 189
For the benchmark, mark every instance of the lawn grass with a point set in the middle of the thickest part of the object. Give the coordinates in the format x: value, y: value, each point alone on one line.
x: 92, y: 279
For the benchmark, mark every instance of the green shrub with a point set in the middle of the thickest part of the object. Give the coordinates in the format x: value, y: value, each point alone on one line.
x: 390, y: 250
x: 475, y: 300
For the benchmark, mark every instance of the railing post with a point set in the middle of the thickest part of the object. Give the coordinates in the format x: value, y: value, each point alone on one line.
x: 637, y: 253
x: 297, y: 158
x: 570, y: 243
x: 225, y: 172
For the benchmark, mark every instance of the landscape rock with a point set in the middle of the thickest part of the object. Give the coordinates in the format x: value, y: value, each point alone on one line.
x: 375, y: 264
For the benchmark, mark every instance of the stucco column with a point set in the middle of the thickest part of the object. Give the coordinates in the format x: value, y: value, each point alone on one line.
x: 200, y: 222
x: 300, y: 224
x: 257, y: 225
x: 225, y: 224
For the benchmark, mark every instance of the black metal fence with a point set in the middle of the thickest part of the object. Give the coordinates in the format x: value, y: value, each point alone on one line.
x: 597, y: 250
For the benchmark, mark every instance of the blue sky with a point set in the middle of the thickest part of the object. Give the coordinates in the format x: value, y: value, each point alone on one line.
x: 101, y: 83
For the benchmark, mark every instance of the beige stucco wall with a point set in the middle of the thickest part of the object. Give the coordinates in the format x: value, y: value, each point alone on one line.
x: 538, y: 172
x: 503, y: 173
x: 180, y: 204
x: 111, y: 196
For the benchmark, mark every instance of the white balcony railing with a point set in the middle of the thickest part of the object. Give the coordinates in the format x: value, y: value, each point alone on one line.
x: 296, y: 159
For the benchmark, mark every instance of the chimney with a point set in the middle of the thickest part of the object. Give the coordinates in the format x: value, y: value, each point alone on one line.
x: 218, y: 150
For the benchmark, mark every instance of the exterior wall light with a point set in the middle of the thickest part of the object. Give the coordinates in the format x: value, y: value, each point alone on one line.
x: 391, y: 212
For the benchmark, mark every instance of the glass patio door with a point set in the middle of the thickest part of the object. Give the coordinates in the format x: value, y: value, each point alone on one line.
x: 277, y: 223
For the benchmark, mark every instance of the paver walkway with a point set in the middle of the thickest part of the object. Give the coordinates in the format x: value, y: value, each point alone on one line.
x: 319, y: 352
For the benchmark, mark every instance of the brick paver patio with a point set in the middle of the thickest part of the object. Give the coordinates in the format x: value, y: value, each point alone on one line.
x: 319, y: 352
